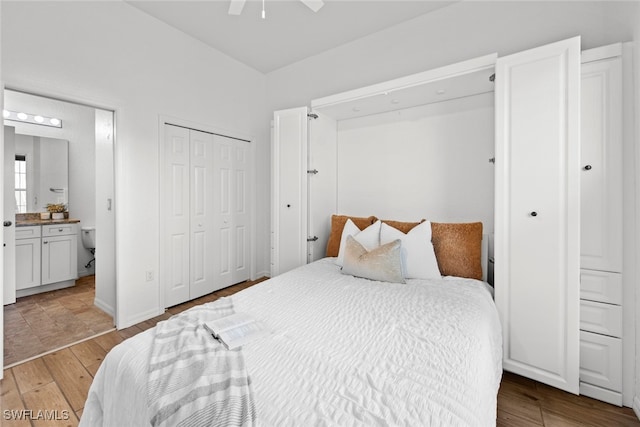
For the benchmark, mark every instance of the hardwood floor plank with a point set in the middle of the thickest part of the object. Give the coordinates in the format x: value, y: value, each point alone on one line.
x: 11, y: 400
x: 48, y: 401
x: 88, y: 353
x: 109, y: 340
x: 506, y: 419
x: 31, y: 375
x: 72, y: 378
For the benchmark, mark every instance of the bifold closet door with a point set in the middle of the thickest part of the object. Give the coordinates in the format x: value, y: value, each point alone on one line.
x: 231, y: 218
x: 537, y: 237
x: 188, y: 238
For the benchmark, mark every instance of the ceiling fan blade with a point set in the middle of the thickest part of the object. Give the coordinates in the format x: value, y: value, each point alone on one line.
x: 314, y: 5
x: 236, y: 6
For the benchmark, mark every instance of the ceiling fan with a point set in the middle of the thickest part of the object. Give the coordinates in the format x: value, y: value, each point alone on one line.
x: 236, y: 6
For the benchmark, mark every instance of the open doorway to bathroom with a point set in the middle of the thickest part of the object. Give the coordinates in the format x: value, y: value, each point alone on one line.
x: 43, y: 313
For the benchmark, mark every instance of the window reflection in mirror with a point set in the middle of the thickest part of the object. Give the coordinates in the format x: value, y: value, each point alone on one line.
x: 41, y: 172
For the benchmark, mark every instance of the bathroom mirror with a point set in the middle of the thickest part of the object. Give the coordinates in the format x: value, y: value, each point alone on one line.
x: 41, y: 172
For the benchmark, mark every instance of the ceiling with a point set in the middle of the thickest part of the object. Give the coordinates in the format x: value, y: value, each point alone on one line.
x: 291, y: 31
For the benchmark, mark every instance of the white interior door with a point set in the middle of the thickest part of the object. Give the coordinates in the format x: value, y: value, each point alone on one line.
x: 9, y: 215
x: 289, y: 189
x: 231, y: 219
x: 241, y: 205
x: 177, y: 215
x: 202, y: 193
x: 537, y: 238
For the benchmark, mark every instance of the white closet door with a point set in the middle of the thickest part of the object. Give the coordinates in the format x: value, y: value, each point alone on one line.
x: 601, y: 166
x: 241, y: 205
x: 537, y: 238
x: 231, y: 220
x: 177, y: 215
x: 289, y: 189
x: 202, y: 192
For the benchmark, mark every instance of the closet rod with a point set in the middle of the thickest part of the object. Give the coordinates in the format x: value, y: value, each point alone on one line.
x: 204, y: 131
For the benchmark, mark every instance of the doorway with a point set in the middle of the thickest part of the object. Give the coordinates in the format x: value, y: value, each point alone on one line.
x: 87, y: 197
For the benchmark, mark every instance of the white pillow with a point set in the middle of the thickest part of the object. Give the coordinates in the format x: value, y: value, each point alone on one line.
x: 418, y: 257
x: 369, y: 237
x: 382, y: 264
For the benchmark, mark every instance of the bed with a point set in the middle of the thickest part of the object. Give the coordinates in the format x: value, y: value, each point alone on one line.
x: 344, y: 350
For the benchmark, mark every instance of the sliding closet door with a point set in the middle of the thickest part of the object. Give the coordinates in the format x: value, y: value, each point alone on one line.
x: 537, y: 237
x: 202, y: 190
x: 231, y: 218
x: 175, y: 265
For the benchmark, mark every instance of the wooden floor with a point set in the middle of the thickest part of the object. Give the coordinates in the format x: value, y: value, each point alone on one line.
x: 50, y: 320
x: 57, y: 385
x: 524, y: 402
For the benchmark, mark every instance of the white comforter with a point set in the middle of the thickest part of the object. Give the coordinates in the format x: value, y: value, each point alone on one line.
x: 344, y: 351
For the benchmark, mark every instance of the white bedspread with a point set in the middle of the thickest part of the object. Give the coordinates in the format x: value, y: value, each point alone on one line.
x: 345, y: 351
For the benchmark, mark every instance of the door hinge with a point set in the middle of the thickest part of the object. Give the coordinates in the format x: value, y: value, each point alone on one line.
x: 312, y: 239
x: 312, y: 115
x: 492, y: 160
x: 312, y: 171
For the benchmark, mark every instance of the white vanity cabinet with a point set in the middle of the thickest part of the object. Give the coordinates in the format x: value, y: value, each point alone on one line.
x: 46, y: 257
x: 28, y: 257
x: 59, y: 253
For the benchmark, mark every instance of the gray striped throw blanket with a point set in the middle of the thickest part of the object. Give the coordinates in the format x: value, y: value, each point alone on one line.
x: 193, y: 379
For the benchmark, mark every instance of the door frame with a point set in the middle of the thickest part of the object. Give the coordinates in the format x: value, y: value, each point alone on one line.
x: 213, y: 129
x: 33, y: 88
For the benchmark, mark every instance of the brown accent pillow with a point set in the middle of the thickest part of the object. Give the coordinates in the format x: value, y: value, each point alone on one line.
x: 337, y: 224
x: 458, y: 248
x: 405, y: 227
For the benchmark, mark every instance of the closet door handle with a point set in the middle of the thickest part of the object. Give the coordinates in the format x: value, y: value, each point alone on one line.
x: 534, y: 213
x: 587, y: 168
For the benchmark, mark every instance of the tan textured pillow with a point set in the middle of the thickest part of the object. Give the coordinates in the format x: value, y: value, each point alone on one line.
x: 405, y: 227
x: 383, y: 263
x: 458, y: 248
x: 337, y: 224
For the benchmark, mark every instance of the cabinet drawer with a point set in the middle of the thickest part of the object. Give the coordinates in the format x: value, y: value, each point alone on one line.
x: 601, y: 286
x: 601, y: 318
x: 28, y: 232
x: 58, y: 230
x: 601, y: 361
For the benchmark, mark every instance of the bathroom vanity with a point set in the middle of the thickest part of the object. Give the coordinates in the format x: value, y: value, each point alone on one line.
x: 46, y: 255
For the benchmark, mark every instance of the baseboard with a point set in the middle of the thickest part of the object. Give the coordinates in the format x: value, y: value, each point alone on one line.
x: 140, y: 318
x: 104, y: 307
x: 636, y: 406
x: 261, y: 274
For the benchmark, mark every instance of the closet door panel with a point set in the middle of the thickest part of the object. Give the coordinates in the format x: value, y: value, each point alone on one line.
x: 223, y: 217
x: 601, y: 174
x: 241, y: 216
x: 201, y: 209
x: 289, y: 189
x: 176, y: 236
x: 537, y: 212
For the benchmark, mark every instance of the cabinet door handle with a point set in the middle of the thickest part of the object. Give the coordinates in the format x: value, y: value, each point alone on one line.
x: 45, y: 242
x: 534, y: 213
x: 587, y: 168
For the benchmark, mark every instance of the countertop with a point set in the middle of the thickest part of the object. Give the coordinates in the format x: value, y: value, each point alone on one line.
x: 30, y: 222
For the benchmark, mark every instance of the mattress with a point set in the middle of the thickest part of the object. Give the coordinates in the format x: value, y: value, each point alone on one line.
x: 344, y: 351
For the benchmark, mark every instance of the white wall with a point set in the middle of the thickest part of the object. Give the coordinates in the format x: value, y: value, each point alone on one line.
x: 420, y: 163
x: 455, y: 33
x: 78, y: 127
x: 636, y: 82
x: 112, y: 55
